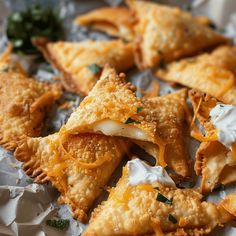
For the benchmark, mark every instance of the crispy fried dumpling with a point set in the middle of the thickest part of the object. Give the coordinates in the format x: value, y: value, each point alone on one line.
x: 112, y: 108
x: 23, y: 104
x: 81, y: 63
x: 169, y: 111
x: 79, y: 168
x: 114, y: 21
x: 164, y: 33
x: 214, y: 73
x: 145, y: 209
x: 214, y: 161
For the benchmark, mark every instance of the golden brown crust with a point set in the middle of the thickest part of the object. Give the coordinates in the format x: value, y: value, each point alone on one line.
x: 112, y: 20
x: 73, y: 60
x: 167, y: 33
x: 23, y: 108
x: 79, y: 166
x: 229, y: 204
x: 214, y: 73
x: 169, y: 111
x: 130, y: 210
x: 112, y: 99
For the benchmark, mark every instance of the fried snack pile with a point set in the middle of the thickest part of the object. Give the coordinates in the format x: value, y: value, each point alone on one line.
x: 111, y: 121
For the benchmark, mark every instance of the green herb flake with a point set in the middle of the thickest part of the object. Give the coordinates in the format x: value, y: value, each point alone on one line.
x: 139, y: 109
x: 163, y: 199
x: 221, y: 187
x: 60, y: 224
x: 30, y: 181
x: 130, y: 120
x: 95, y: 69
x: 172, y: 219
x: 162, y: 64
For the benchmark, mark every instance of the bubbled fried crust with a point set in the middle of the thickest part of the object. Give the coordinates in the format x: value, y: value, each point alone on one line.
x: 169, y: 112
x: 168, y: 33
x: 73, y: 59
x: 113, y: 99
x: 112, y: 20
x: 23, y: 104
x: 79, y: 186
x: 212, y: 71
x: 229, y: 203
x: 132, y: 210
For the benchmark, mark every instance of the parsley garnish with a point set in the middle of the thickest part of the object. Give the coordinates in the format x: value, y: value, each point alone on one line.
x: 35, y: 21
x: 60, y: 224
x: 163, y: 199
x: 139, y: 109
x: 162, y: 64
x: 130, y: 120
x: 172, y: 219
x: 221, y: 187
x: 94, y: 68
x: 30, y: 181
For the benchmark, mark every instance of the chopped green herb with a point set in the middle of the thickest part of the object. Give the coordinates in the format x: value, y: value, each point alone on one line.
x: 130, y: 120
x: 29, y: 181
x: 163, y: 199
x: 172, y: 219
x: 95, y: 68
x: 187, y: 7
x: 162, y: 63
x: 221, y: 187
x: 35, y: 21
x: 60, y: 224
x: 139, y: 109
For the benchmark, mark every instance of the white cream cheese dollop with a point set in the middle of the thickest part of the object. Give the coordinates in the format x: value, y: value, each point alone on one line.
x: 141, y: 173
x: 223, y: 118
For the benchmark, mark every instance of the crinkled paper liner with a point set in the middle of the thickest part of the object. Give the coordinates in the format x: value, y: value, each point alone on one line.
x: 24, y: 206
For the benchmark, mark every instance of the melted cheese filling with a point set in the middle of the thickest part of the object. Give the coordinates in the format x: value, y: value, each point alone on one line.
x: 113, y: 128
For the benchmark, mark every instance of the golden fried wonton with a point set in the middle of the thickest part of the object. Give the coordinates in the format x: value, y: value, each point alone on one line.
x: 214, y: 161
x: 164, y: 33
x: 79, y: 167
x: 212, y: 73
x: 23, y: 104
x: 146, y: 209
x: 112, y: 108
x: 81, y: 63
x: 169, y: 111
x: 113, y: 20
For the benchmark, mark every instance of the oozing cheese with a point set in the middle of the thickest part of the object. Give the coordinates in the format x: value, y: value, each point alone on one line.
x: 113, y: 128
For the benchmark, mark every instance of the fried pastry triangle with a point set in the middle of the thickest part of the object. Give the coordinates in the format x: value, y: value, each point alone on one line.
x: 23, y: 104
x: 79, y: 168
x: 167, y: 33
x: 113, y: 109
x: 214, y: 161
x: 146, y: 209
x: 81, y: 63
x: 114, y: 21
x: 169, y: 111
x: 214, y: 73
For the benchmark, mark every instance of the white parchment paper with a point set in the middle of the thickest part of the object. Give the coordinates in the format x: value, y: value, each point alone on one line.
x: 24, y: 206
